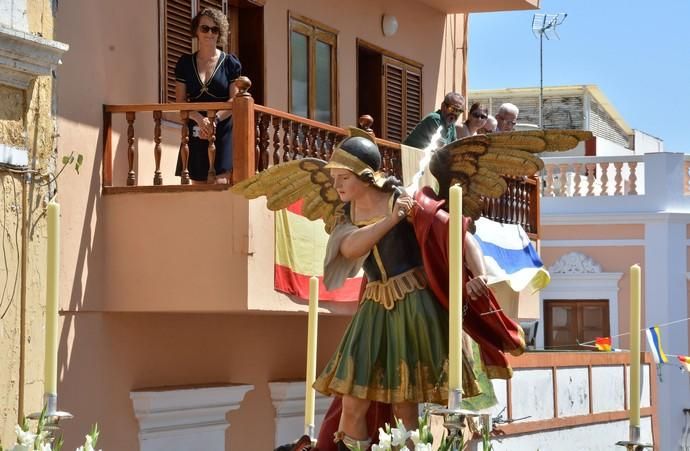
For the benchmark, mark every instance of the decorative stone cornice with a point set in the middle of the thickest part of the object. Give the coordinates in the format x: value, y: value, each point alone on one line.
x: 575, y: 263
x: 24, y: 56
x: 186, y: 416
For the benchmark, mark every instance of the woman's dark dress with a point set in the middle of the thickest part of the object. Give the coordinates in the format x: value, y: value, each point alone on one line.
x: 216, y: 89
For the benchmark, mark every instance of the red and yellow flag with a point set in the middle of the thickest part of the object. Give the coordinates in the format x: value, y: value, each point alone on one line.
x: 300, y: 247
x: 685, y: 362
x: 603, y: 343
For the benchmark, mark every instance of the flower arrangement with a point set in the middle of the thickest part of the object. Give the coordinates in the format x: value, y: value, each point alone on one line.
x: 396, y: 438
x: 41, y: 440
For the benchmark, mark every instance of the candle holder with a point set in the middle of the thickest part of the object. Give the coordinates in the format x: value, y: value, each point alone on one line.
x: 454, y: 416
x: 634, y: 443
x: 309, y: 430
x: 51, y: 416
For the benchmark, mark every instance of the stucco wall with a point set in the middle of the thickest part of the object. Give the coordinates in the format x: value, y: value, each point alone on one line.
x: 26, y: 122
x: 105, y: 356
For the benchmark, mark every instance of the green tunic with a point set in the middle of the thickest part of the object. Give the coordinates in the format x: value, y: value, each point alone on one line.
x: 420, y: 137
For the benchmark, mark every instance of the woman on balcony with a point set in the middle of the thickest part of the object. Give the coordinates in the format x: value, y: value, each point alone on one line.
x: 476, y: 119
x: 208, y: 75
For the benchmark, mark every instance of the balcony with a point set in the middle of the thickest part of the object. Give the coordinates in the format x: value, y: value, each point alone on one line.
x: 622, y: 185
x: 150, y: 222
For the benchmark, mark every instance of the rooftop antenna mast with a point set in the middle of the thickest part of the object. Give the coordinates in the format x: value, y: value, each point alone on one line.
x: 543, y: 25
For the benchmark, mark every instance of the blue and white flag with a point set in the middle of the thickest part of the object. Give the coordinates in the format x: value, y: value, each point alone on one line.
x: 509, y: 256
x: 654, y: 340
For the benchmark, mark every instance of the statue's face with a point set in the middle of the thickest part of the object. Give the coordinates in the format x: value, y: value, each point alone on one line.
x: 348, y: 185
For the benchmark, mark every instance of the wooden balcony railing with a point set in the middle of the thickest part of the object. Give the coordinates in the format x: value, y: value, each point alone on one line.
x: 263, y: 137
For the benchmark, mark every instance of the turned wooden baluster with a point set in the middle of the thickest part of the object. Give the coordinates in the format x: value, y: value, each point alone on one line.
x: 514, y: 204
x: 591, y: 169
x: 563, y: 177
x: 184, y: 148
x: 275, y: 122
x: 604, y: 178
x: 264, y: 156
x: 157, y: 176
x: 578, y: 179
x: 330, y: 142
x: 313, y: 151
x: 257, y: 138
x: 131, y: 175
x: 322, y: 144
x: 522, y: 196
x: 619, y: 177
x: 211, y: 178
x: 633, y: 178
x: 287, y: 147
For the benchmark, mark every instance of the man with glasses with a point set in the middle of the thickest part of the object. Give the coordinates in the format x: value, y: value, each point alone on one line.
x: 452, y: 107
x: 506, y: 117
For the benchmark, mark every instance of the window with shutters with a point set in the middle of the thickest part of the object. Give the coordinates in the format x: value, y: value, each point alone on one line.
x: 312, y: 88
x: 176, y: 38
x: 402, y: 102
x: 569, y: 322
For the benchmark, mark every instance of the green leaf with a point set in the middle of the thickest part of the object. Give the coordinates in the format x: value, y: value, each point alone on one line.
x: 65, y: 159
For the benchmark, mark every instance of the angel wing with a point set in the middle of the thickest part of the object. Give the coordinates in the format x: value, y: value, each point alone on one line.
x: 286, y: 183
x: 479, y: 162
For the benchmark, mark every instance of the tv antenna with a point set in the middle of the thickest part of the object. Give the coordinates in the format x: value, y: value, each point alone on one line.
x: 543, y: 25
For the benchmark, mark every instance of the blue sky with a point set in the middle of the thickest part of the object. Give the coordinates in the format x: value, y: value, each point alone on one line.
x: 637, y: 52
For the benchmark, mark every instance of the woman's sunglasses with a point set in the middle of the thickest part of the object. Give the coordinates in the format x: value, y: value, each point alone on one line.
x: 479, y: 116
x: 206, y: 29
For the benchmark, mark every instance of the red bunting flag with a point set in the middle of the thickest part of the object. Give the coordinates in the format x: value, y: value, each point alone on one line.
x: 603, y: 344
x: 685, y: 362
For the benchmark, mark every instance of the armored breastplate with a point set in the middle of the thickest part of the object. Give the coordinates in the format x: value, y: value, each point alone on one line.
x: 396, y: 253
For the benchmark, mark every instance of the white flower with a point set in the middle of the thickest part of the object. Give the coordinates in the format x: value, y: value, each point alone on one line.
x: 422, y: 447
x: 25, y: 438
x: 88, y: 445
x: 384, y: 440
x: 414, y: 436
x: 380, y: 448
x: 21, y: 448
x: 399, y: 434
x: 46, y: 447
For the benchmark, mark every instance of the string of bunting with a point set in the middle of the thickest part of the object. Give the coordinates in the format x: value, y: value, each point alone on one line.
x: 653, y: 335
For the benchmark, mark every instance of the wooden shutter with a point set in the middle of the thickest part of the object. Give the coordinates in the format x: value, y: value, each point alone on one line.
x: 402, y: 102
x: 177, y: 41
x: 394, y: 99
x: 413, y: 98
x: 568, y: 322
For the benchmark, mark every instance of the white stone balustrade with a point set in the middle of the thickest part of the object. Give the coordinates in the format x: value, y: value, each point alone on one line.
x: 593, y: 176
x: 642, y: 184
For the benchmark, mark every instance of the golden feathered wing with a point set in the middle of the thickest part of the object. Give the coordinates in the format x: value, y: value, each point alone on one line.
x: 286, y: 183
x: 478, y: 163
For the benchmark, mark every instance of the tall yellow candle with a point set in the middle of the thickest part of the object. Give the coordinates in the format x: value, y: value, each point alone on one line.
x: 51, y: 350
x: 312, y: 327
x: 455, y: 291
x: 635, y: 290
